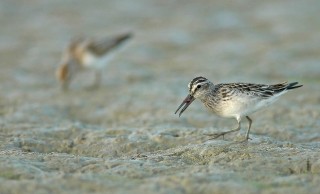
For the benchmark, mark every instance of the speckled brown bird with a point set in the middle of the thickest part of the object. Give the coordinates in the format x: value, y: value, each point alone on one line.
x: 235, y: 100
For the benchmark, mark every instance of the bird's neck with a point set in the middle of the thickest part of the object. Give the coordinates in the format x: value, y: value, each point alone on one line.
x: 208, y: 93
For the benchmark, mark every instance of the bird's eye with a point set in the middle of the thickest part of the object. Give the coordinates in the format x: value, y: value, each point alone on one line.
x: 198, y: 86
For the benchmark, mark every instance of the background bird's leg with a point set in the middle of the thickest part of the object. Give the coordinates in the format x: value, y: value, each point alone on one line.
x: 65, y: 85
x: 97, y: 80
x: 216, y: 135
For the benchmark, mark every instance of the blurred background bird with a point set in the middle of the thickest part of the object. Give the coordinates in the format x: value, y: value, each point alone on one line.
x: 86, y: 53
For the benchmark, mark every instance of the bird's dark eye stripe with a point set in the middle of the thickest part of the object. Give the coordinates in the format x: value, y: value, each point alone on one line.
x: 200, y: 80
x: 195, y: 81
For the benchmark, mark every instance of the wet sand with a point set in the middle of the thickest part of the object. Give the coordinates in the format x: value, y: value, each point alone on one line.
x: 124, y: 136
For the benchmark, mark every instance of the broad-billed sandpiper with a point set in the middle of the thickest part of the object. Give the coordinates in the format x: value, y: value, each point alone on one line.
x: 83, y: 53
x: 234, y: 99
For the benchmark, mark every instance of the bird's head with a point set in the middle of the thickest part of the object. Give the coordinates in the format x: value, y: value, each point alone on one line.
x: 198, y: 88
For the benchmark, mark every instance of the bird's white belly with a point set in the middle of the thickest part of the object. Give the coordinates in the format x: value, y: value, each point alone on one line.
x: 244, y: 106
x: 92, y: 61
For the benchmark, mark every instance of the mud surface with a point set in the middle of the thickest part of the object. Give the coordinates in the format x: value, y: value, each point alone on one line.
x: 124, y: 136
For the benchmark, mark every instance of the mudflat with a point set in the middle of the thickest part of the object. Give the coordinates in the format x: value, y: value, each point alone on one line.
x: 124, y: 136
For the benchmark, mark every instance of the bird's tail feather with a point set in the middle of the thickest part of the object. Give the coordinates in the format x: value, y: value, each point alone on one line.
x: 293, y: 85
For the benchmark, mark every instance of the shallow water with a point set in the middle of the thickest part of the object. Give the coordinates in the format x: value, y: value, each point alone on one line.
x: 124, y: 136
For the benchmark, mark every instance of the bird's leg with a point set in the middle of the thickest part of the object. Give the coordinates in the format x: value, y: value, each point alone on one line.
x: 97, y: 81
x: 248, y: 131
x: 65, y: 85
x: 216, y: 135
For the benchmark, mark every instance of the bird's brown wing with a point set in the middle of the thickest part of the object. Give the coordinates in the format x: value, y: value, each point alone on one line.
x: 258, y: 90
x: 101, y: 47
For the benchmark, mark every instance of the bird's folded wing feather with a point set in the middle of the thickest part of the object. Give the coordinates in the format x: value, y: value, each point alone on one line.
x: 101, y: 47
x: 254, y: 90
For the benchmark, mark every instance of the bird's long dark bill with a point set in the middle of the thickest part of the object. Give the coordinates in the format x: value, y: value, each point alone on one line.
x: 186, y: 102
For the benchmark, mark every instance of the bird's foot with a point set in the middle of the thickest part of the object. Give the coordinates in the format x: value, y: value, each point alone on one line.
x: 245, y: 140
x: 216, y: 135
